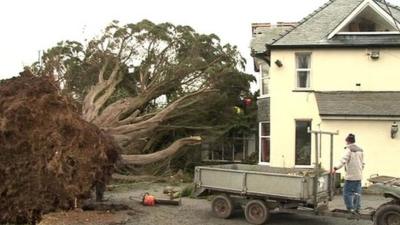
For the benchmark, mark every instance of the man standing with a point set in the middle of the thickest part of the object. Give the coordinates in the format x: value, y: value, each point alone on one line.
x: 353, y: 162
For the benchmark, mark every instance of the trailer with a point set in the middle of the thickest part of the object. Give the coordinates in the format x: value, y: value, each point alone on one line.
x: 261, y: 190
x: 388, y: 213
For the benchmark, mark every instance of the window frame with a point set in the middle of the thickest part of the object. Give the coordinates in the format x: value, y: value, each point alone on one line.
x: 262, y: 78
x: 260, y: 137
x: 357, y: 11
x: 311, y: 146
x: 297, y: 70
x: 230, y: 150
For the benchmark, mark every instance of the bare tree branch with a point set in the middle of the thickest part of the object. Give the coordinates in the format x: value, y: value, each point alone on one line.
x: 160, y: 155
x: 102, y: 71
x: 99, y: 94
x: 157, y: 119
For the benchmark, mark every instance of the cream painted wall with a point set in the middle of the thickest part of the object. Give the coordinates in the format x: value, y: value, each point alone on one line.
x: 381, y: 152
x: 333, y: 70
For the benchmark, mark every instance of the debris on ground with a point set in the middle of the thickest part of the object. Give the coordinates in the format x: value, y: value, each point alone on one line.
x: 87, y: 218
x: 120, y: 178
x: 50, y: 158
x: 104, y: 206
x: 172, y: 192
x: 151, y: 200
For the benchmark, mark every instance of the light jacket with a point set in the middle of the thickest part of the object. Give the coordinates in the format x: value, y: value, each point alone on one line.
x: 353, y: 161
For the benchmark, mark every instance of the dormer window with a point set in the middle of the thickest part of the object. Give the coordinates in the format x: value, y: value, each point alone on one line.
x: 367, y: 19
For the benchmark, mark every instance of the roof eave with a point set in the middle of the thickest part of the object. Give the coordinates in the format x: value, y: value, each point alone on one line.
x: 357, y: 115
x: 361, y: 118
x: 335, y: 46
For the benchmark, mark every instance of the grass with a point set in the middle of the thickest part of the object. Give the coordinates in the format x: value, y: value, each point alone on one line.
x: 187, y: 191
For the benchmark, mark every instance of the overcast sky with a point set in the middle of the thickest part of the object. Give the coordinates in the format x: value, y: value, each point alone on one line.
x: 30, y: 26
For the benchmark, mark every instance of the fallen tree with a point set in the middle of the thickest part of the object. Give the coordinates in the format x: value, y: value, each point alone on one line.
x: 151, y: 86
x: 49, y: 156
x: 137, y: 94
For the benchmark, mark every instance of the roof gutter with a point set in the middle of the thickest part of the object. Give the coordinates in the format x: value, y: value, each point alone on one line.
x: 336, y: 46
x: 361, y: 117
x: 265, y: 56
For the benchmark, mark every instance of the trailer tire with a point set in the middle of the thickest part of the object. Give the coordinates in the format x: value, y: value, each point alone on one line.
x: 222, y: 206
x: 387, y: 214
x: 256, y: 212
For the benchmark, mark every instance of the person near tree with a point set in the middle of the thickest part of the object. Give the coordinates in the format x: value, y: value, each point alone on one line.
x: 353, y: 162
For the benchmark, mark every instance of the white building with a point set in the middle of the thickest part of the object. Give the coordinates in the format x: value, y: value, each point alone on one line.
x: 337, y: 69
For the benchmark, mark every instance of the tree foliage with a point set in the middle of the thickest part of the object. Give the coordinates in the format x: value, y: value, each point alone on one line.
x: 151, y: 85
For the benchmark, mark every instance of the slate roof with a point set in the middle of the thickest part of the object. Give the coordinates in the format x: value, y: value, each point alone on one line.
x: 314, y: 29
x: 395, y: 10
x: 356, y: 104
x: 265, y: 35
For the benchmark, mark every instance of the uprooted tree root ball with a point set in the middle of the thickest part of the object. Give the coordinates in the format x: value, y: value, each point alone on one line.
x: 50, y: 158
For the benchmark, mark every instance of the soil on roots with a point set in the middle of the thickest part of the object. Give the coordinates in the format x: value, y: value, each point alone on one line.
x: 50, y: 158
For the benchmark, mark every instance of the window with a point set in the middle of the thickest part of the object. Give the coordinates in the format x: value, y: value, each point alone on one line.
x: 303, y: 143
x: 369, y: 18
x: 265, y: 149
x: 264, y: 81
x: 229, y: 149
x: 303, y: 69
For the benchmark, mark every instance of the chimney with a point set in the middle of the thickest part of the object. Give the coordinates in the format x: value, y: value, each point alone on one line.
x: 287, y: 24
x: 255, y: 26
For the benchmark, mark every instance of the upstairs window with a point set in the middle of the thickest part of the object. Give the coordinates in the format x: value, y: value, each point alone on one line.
x: 303, y: 70
x: 264, y: 80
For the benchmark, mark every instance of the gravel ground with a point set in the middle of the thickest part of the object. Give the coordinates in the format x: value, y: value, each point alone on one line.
x: 191, y: 212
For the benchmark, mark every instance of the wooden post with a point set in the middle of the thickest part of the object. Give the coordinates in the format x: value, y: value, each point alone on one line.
x: 223, y: 150
x: 320, y: 145
x: 233, y: 149
x: 317, y: 168
x: 331, y: 177
x: 316, y: 172
x: 245, y: 145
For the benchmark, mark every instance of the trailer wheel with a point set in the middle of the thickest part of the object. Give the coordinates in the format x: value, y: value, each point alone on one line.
x: 222, y: 206
x: 387, y: 214
x: 256, y: 212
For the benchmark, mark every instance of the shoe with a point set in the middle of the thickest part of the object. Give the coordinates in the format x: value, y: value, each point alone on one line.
x: 354, y: 214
